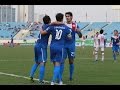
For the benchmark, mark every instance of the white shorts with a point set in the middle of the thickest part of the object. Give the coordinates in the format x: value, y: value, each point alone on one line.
x: 97, y: 48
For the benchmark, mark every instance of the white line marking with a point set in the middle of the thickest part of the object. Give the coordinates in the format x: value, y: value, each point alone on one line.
x: 20, y: 60
x: 13, y: 75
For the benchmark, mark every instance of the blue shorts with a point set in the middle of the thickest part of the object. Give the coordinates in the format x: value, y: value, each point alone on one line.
x: 56, y: 54
x: 40, y: 53
x: 69, y: 51
x: 115, y: 48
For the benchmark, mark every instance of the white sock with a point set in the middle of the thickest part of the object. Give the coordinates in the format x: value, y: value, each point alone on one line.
x: 96, y: 56
x: 102, y: 56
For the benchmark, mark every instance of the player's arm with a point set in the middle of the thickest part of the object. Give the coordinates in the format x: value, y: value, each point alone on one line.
x: 43, y: 32
x: 78, y: 31
x: 111, y: 41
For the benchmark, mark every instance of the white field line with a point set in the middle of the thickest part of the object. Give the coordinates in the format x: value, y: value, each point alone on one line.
x: 19, y: 76
x: 20, y: 60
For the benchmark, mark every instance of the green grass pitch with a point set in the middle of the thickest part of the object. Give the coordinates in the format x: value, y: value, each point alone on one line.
x: 19, y: 60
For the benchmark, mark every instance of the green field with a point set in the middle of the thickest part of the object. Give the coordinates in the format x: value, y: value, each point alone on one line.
x: 19, y: 60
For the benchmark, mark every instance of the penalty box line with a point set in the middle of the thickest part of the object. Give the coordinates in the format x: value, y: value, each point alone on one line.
x: 19, y: 76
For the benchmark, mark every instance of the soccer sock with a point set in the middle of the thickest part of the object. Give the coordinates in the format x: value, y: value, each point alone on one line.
x: 42, y: 71
x: 34, y: 67
x: 61, y: 70
x: 114, y: 56
x: 102, y: 56
x: 56, y: 73
x: 71, y: 68
x: 96, y: 56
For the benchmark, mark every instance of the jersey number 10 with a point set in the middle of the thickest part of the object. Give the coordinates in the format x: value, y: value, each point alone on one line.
x: 58, y: 34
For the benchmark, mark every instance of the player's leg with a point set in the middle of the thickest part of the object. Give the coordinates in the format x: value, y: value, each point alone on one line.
x: 42, y: 64
x: 71, y: 56
x: 102, y: 53
x: 96, y: 53
x: 64, y: 54
x: 117, y: 50
x: 57, y: 52
x: 83, y: 44
x: 114, y: 53
x: 34, y: 67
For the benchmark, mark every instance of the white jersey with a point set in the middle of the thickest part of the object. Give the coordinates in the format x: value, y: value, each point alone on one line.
x: 70, y: 25
x: 96, y: 41
x: 102, y: 39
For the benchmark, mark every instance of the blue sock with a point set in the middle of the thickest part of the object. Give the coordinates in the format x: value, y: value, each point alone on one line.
x: 34, y: 67
x: 56, y: 73
x: 61, y: 70
x: 114, y: 56
x: 42, y: 71
x: 71, y: 68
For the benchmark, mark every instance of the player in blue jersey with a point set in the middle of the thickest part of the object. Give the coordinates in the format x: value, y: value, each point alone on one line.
x: 59, y: 32
x: 40, y: 50
x: 115, y: 41
x: 70, y: 44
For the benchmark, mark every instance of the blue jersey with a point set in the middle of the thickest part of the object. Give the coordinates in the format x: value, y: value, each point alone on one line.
x: 43, y: 39
x: 115, y: 40
x: 59, y: 34
x: 73, y: 27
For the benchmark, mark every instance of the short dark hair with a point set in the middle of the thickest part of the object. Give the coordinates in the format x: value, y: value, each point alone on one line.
x: 116, y: 30
x: 97, y: 32
x: 59, y: 17
x: 70, y: 13
x: 101, y: 31
x: 46, y: 19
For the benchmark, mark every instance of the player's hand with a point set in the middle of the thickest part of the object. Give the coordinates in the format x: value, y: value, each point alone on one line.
x: 118, y: 43
x: 110, y: 44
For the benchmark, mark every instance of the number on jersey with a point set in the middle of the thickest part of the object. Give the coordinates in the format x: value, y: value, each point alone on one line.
x: 58, y: 34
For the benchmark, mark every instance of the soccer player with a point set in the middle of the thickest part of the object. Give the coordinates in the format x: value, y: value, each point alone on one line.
x: 95, y: 51
x: 59, y: 33
x: 11, y: 43
x: 40, y: 50
x: 70, y: 44
x: 115, y: 41
x: 101, y: 39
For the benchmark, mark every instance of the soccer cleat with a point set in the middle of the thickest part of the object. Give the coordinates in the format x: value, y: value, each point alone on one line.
x: 70, y: 79
x: 96, y: 60
x: 60, y: 83
x: 31, y: 79
x: 52, y: 83
x: 41, y: 82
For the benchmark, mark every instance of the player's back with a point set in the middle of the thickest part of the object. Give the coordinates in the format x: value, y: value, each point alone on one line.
x: 59, y: 34
x: 95, y: 40
x: 43, y: 39
x: 102, y: 38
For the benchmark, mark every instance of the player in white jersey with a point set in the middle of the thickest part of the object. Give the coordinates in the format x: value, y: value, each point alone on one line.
x: 96, y: 43
x: 101, y: 39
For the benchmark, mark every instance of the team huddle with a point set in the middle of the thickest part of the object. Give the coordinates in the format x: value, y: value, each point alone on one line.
x: 62, y: 46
